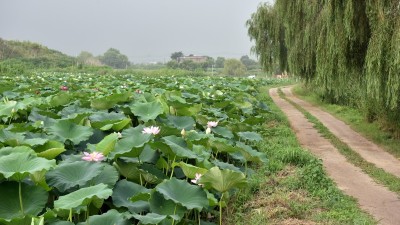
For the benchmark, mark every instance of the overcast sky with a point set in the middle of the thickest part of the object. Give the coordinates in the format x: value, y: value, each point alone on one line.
x: 145, y: 31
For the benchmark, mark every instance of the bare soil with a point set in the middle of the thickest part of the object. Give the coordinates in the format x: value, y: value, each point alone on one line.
x: 375, y: 199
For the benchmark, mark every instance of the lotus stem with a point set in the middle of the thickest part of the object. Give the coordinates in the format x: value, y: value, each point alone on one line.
x: 220, y: 209
x: 173, y: 220
x: 140, y: 177
x: 87, y: 214
x: 70, y: 215
x: 172, y: 173
x: 20, y: 198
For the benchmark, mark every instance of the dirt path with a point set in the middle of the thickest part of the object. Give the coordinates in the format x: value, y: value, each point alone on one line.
x: 367, y: 150
x: 377, y: 200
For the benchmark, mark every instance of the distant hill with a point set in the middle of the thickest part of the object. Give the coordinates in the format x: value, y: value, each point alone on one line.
x: 32, y: 55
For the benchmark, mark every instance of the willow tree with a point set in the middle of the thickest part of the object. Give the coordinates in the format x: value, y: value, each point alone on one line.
x: 347, y: 50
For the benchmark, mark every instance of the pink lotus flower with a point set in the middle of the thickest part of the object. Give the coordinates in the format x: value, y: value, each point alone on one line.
x: 212, y: 124
x: 64, y: 88
x: 196, y: 179
x: 151, y: 130
x: 94, y: 156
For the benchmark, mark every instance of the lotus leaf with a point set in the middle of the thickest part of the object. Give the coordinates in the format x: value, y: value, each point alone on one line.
x: 183, y: 193
x: 65, y: 130
x: 111, y: 217
x: 83, y: 196
x: 179, y: 147
x: 223, y: 180
x: 17, y: 166
x: 34, y: 199
x: 147, y: 111
x: 69, y: 175
x: 123, y: 190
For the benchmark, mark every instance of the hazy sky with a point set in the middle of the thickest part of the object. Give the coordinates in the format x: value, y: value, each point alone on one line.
x: 145, y: 31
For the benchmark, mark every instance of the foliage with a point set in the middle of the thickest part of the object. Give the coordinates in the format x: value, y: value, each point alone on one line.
x: 31, y: 55
x: 249, y: 63
x: 112, y: 57
x: 234, y: 67
x: 45, y: 130
x: 219, y: 62
x: 346, y: 50
x: 175, y: 56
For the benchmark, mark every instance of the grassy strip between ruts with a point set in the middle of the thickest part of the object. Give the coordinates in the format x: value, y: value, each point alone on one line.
x: 379, y: 175
x: 292, y: 188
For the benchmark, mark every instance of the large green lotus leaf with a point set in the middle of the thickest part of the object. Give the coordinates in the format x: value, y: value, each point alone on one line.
x: 162, y: 206
x: 183, y: 193
x: 50, y: 149
x: 68, y: 175
x: 35, y: 141
x: 123, y: 190
x: 47, y: 121
x: 189, y: 170
x: 6, y: 108
x: 181, y: 122
x: 109, y: 101
x: 128, y: 170
x: 222, y: 145
x: 12, y: 150
x: 250, y: 154
x: 150, y: 218
x: 119, y: 125
x: 134, y: 138
x: 62, y: 223
x: 147, y: 111
x: 179, y: 147
x: 254, y: 120
x: 107, y: 145
x: 151, y: 174
x: 251, y: 136
x: 61, y: 98
x: 224, y: 165
x: 74, y: 110
x: 109, y: 175
x: 82, y: 197
x: 11, y: 138
x: 223, y: 180
x: 34, y: 199
x: 189, y: 110
x: 111, y: 217
x: 66, y: 130
x: 17, y: 166
x: 39, y: 178
x: 222, y: 131
x: 106, y: 121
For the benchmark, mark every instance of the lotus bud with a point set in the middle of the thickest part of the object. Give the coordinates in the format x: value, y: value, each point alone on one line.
x: 183, y: 132
x: 208, y: 130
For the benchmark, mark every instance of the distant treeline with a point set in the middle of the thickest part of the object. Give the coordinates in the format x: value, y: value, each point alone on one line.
x: 346, y: 50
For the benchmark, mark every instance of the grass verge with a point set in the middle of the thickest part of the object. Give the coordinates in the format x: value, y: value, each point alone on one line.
x: 292, y: 188
x: 379, y: 175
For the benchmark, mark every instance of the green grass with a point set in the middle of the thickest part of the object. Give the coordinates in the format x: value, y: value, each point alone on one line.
x: 379, y: 175
x: 292, y: 187
x: 354, y: 118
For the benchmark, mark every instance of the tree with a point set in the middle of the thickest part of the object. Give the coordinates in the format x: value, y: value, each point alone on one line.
x: 249, y: 63
x: 219, y: 62
x: 234, y: 67
x: 176, y: 55
x: 112, y: 57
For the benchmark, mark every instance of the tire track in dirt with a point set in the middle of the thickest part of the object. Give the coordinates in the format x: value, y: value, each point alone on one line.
x: 377, y: 200
x: 367, y: 149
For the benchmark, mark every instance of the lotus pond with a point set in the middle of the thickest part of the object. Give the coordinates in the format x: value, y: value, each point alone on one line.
x: 100, y: 149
